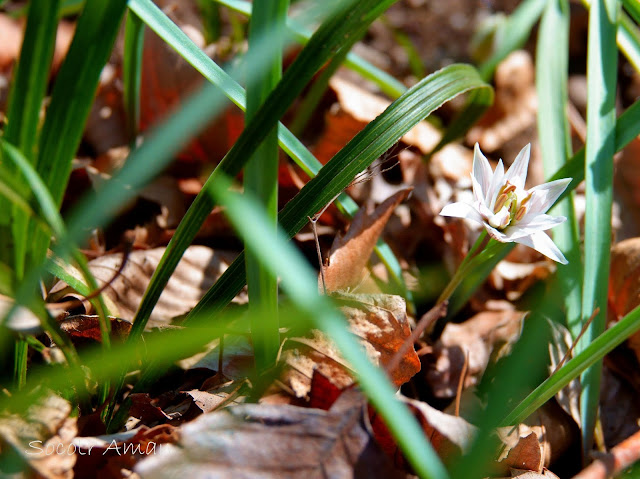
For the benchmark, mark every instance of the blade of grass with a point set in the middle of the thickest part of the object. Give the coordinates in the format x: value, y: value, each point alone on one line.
x: 591, y: 354
x: 552, y: 63
x: 298, y: 280
x: 602, y: 60
x: 132, y: 71
x: 376, y: 138
x: 25, y: 101
x: 71, y: 100
x: 261, y: 175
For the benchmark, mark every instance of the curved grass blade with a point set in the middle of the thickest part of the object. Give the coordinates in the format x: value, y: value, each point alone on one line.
x: 376, y: 138
x: 339, y: 31
x: 298, y: 280
x: 132, y: 71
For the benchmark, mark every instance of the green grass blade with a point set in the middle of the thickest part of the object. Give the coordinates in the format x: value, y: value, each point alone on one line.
x: 376, y: 138
x: 27, y: 93
x: 166, y: 29
x: 71, y: 100
x: 261, y: 175
x: 340, y: 31
x: 633, y: 7
x: 552, y: 65
x: 602, y: 62
x: 513, y: 34
x: 628, y: 39
x: 299, y: 281
x: 132, y: 71
x: 594, y: 352
x: 387, y: 84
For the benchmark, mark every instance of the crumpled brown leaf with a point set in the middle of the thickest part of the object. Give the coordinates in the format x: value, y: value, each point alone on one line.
x: 268, y: 441
x: 43, y: 437
x: 198, y: 269
x: 350, y: 253
x: 381, y: 323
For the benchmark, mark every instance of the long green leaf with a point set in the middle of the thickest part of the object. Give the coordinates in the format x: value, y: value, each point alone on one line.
x: 261, y: 174
x: 602, y: 61
x: 339, y: 31
x: 27, y: 93
x: 132, y: 71
x: 376, y: 138
x: 298, y: 280
x: 552, y: 63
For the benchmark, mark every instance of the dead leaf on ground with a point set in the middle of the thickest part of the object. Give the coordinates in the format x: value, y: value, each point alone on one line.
x: 42, y: 437
x: 478, y: 337
x: 198, y: 269
x: 350, y: 253
x: 86, y: 328
x: 569, y: 396
x: 272, y: 442
x: 381, y: 324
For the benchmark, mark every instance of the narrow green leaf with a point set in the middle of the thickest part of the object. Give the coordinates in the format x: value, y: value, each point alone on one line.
x: 132, y: 71
x: 298, y: 280
x: 25, y: 101
x: 261, y: 174
x: 552, y: 63
x: 376, y: 138
x: 602, y: 60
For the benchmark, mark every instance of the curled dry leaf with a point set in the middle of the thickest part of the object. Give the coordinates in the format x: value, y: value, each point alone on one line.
x: 477, y: 337
x: 198, y: 269
x: 84, y: 327
x: 350, y: 253
x: 380, y: 321
x: 42, y: 437
x: 268, y: 441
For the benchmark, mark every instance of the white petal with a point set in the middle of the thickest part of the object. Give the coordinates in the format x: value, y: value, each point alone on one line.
x: 481, y: 171
x: 461, y: 210
x: 495, y: 234
x: 496, y: 183
x: 499, y: 219
x: 541, y: 242
x: 545, y: 195
x: 478, y: 193
x: 535, y: 223
x: 517, y: 174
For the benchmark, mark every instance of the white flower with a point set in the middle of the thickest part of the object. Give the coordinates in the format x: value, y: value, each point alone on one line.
x: 508, y: 212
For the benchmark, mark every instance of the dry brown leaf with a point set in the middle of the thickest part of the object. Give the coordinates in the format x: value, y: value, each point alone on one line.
x: 568, y: 397
x: 350, y: 253
x: 355, y: 109
x: 477, y: 337
x: 624, y: 284
x: 198, y: 269
x: 84, y: 327
x: 43, y: 437
x: 217, y: 396
x: 257, y: 440
x: 381, y: 324
x: 526, y: 454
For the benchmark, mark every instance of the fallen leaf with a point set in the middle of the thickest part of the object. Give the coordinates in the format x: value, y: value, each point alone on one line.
x: 42, y: 437
x: 569, y: 396
x: 268, y: 441
x: 198, y: 269
x: 350, y: 253
x: 381, y: 324
x: 84, y: 327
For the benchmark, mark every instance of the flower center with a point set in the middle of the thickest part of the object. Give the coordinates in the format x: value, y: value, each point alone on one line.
x: 507, y: 209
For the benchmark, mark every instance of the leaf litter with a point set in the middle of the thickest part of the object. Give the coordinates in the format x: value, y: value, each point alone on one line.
x: 209, y: 414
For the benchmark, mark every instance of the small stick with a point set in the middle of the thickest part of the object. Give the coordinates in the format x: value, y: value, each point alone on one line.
x: 427, y: 319
x: 463, y: 377
x: 575, y: 342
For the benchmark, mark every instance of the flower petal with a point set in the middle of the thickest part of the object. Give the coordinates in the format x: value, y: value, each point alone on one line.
x: 500, y: 219
x: 496, y: 183
x: 535, y: 223
x: 496, y: 234
x: 517, y: 174
x: 461, y: 210
x: 544, y: 196
x: 541, y: 242
x: 481, y: 172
